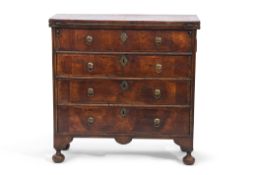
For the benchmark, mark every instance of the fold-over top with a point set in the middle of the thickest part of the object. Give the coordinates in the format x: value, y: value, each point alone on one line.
x: 125, y: 21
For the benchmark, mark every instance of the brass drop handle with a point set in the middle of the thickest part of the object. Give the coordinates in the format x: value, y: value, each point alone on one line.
x: 158, y: 40
x: 158, y: 68
x: 90, y: 66
x: 123, y: 60
x: 123, y: 37
x: 124, y: 85
x: 90, y: 120
x: 157, y: 122
x: 90, y: 92
x: 89, y: 39
x: 157, y: 93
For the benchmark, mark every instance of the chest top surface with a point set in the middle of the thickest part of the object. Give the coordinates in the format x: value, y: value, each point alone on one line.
x: 114, y: 20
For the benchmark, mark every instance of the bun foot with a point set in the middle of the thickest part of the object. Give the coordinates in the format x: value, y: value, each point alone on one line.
x: 189, y: 159
x: 66, y: 147
x: 58, y: 157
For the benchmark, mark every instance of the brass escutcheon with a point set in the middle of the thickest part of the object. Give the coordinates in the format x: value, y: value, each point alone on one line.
x: 123, y: 37
x: 123, y: 60
x: 123, y: 112
x: 124, y: 85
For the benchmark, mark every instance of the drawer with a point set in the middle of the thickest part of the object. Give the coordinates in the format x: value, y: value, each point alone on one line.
x: 124, y: 40
x: 123, y: 65
x: 97, y: 91
x: 83, y: 120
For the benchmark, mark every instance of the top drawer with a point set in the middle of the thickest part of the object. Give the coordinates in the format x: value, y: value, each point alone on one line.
x: 123, y: 40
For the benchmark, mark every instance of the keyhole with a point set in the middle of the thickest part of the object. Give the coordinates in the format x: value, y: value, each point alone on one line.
x: 123, y: 112
x: 124, y: 85
x: 123, y: 60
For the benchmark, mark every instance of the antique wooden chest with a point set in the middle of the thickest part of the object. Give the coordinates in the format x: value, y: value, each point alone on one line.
x: 124, y: 76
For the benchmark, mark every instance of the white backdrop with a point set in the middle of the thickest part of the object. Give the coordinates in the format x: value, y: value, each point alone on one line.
x: 228, y: 92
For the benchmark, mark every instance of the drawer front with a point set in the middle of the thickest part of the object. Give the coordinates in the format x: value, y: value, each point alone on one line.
x: 124, y: 40
x: 124, y: 91
x: 110, y: 120
x: 123, y: 65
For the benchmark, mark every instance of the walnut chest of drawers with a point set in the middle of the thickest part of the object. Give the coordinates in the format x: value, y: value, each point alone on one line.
x: 124, y: 76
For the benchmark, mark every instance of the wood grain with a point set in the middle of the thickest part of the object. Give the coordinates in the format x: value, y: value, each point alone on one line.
x: 134, y: 110
x: 107, y: 120
x: 109, y: 91
x: 109, y: 40
x: 76, y: 65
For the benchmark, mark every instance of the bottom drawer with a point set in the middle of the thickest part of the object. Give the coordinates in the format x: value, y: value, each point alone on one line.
x: 134, y: 121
